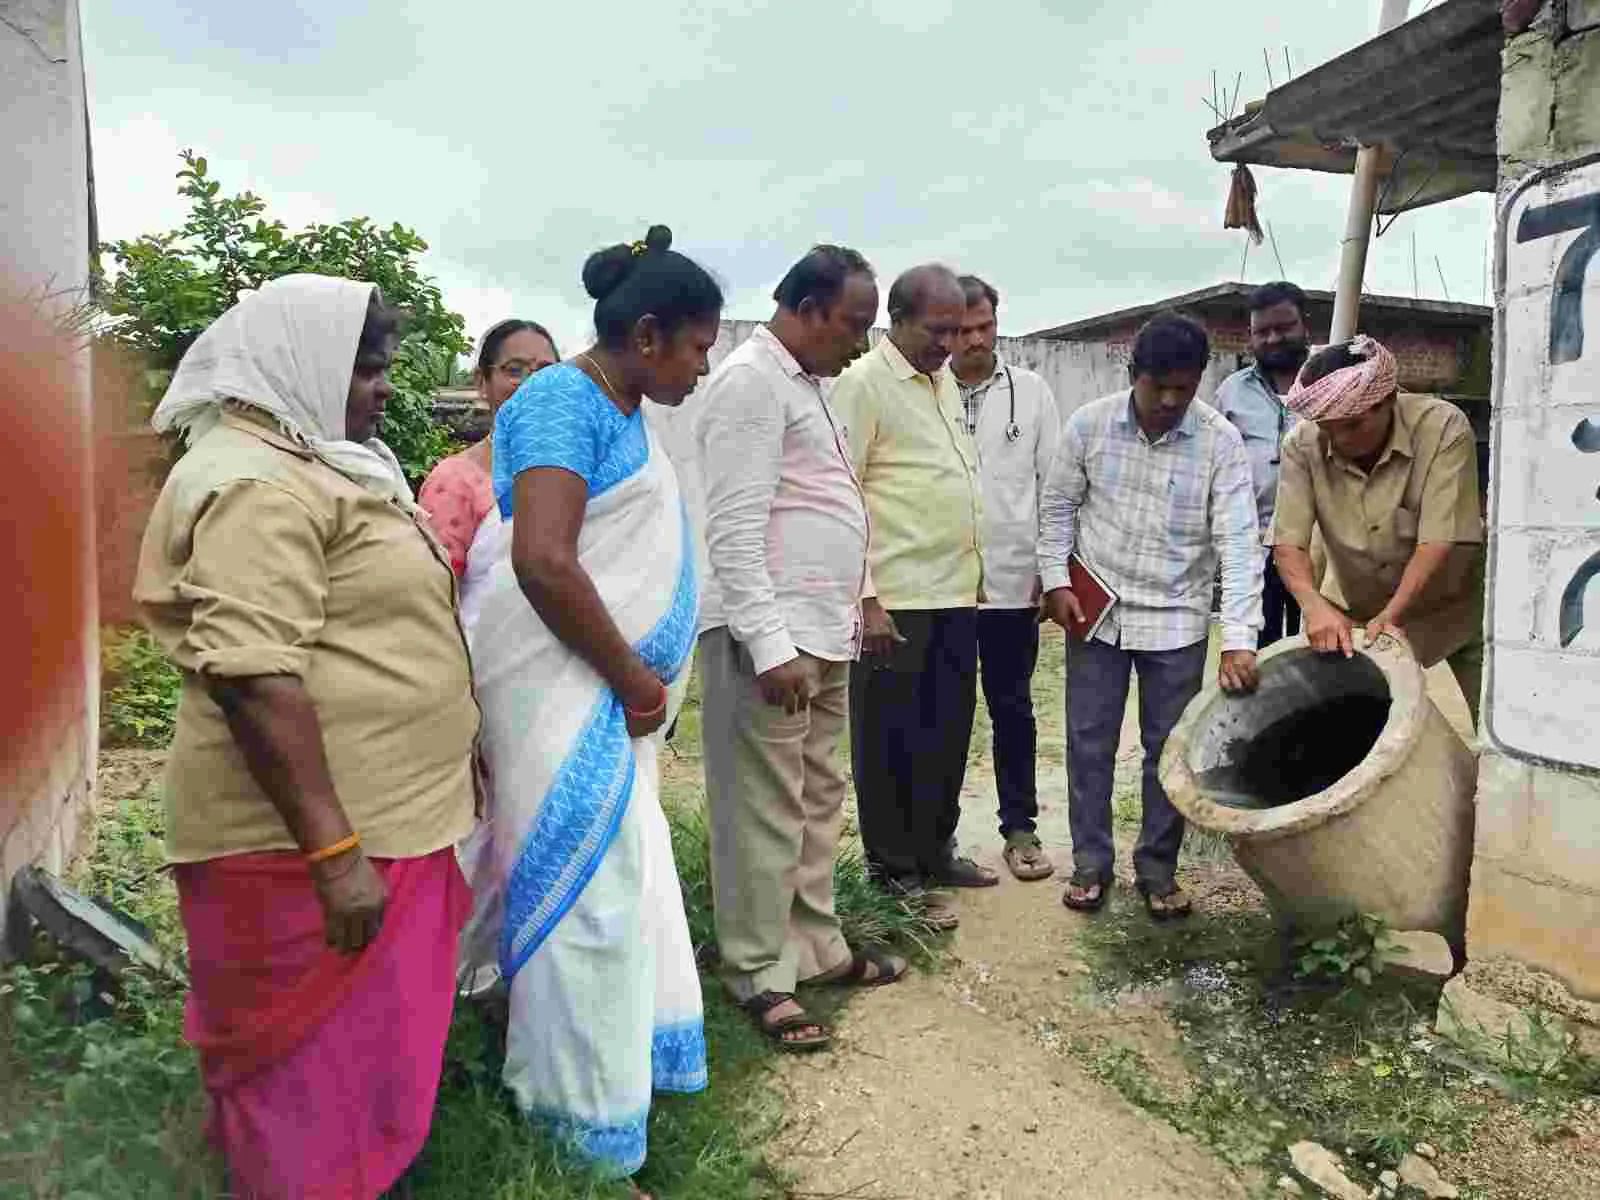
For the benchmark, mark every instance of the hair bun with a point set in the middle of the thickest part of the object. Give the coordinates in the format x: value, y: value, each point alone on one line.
x: 605, y: 270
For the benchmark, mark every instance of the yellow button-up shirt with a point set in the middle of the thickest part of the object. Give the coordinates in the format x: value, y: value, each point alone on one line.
x: 260, y: 559
x: 918, y: 468
x: 1423, y: 488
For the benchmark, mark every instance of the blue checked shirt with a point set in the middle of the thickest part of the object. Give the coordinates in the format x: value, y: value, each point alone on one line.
x: 1153, y: 518
x: 1251, y: 405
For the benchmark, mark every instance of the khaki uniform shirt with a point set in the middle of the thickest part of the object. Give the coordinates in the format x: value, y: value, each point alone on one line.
x: 259, y: 559
x: 918, y: 468
x: 1423, y: 488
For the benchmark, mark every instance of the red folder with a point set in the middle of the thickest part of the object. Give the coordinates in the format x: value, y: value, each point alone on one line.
x: 1095, y: 598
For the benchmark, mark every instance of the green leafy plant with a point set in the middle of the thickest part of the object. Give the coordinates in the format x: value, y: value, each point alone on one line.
x: 1351, y: 953
x: 167, y: 287
x: 141, y: 689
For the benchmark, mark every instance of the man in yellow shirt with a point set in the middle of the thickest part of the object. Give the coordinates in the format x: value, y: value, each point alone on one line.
x: 1392, y: 480
x: 913, y: 694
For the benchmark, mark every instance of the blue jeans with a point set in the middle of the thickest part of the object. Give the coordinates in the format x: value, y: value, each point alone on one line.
x: 1097, y: 697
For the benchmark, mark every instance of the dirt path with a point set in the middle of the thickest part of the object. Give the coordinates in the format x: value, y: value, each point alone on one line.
x: 953, y: 1085
x: 956, y: 1085
x: 959, y: 1084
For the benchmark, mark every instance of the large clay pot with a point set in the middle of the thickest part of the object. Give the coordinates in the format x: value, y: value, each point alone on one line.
x: 1331, y: 803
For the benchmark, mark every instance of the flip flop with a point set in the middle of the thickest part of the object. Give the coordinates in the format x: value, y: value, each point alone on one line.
x: 1082, y: 881
x: 1166, y: 902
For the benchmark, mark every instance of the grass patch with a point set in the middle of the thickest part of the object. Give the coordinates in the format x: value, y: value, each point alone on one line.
x: 103, y: 1098
x: 139, y: 690
x: 1274, y: 1059
x: 700, y: 1146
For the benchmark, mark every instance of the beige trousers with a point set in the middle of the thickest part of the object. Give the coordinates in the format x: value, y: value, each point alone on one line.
x: 775, y: 797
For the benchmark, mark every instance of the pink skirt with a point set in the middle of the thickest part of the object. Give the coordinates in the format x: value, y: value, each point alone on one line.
x: 322, y: 1068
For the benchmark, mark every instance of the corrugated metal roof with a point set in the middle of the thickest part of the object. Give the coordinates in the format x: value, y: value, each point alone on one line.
x: 1232, y: 296
x: 1428, y: 91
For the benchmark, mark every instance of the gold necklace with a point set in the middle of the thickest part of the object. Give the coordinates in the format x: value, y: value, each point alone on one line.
x: 604, y: 378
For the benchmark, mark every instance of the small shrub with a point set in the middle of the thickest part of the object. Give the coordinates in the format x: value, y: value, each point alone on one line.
x: 140, y: 691
x: 1352, y: 953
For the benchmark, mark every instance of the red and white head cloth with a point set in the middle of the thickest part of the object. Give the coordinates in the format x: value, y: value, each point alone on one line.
x: 1349, y: 391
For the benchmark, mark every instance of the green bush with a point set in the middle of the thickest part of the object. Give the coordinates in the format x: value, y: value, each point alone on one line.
x: 167, y: 287
x: 140, y: 689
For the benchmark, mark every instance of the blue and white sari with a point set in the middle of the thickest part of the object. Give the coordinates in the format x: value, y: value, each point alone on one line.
x: 576, y: 885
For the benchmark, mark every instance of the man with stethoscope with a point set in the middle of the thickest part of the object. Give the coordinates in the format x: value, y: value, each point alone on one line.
x: 1011, y: 415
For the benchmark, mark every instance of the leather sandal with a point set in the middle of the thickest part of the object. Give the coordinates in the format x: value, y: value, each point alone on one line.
x: 758, y: 1006
x: 1025, y: 856
x: 868, y: 967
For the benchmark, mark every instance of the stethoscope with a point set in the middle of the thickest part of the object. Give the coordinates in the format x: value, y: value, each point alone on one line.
x: 1013, y: 430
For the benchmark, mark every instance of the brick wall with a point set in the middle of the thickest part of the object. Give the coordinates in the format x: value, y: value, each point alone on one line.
x: 1431, y: 360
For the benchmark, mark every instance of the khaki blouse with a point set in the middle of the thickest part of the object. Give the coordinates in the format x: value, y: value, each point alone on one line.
x: 259, y: 559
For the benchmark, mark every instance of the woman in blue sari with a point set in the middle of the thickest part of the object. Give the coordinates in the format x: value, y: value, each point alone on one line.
x: 587, y: 615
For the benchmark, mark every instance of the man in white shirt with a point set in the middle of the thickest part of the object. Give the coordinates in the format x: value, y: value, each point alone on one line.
x: 786, y: 539
x: 1150, y: 488
x: 1011, y: 414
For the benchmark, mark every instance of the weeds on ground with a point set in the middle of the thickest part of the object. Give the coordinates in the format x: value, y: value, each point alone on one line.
x: 139, y: 690
x: 1275, y: 1058
x: 1352, y: 952
x: 102, y: 1096
x: 1310, y: 1041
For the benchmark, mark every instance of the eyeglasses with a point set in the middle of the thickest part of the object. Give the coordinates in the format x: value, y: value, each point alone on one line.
x: 516, y: 369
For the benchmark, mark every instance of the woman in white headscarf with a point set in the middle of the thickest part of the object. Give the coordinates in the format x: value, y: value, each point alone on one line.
x: 322, y: 768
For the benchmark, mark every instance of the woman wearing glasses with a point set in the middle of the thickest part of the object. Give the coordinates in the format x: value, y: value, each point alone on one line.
x: 458, y: 494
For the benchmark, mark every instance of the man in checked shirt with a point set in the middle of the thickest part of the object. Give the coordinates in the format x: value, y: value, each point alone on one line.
x: 1150, y: 488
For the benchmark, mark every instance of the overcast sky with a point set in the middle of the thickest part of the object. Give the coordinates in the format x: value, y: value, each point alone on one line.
x: 1061, y: 156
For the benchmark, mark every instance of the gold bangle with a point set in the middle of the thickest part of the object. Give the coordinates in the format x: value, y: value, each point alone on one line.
x: 342, y: 846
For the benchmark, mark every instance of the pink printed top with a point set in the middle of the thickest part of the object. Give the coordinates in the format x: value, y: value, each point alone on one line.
x: 457, y: 495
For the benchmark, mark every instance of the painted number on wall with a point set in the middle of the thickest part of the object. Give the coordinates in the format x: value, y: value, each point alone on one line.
x: 1544, y: 661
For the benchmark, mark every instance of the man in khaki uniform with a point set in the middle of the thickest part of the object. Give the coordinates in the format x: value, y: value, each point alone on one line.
x: 1392, y: 480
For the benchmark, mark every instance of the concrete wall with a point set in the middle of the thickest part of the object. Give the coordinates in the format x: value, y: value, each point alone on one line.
x: 1535, y: 894
x: 45, y: 234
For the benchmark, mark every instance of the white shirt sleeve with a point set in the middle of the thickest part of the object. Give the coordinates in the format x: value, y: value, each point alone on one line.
x: 1237, y: 536
x: 741, y: 429
x: 1065, y: 486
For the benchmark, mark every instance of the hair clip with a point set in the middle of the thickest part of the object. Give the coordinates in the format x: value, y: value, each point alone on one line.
x: 638, y: 248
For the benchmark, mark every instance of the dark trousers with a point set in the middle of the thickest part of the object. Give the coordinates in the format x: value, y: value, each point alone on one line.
x: 1097, y: 697
x: 1008, y: 651
x: 1279, y: 611
x: 910, y: 727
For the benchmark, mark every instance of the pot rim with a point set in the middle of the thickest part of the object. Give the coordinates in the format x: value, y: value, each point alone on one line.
x: 1392, y: 655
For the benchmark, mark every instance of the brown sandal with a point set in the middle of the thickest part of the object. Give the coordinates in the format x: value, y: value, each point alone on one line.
x: 760, y: 1005
x: 885, y: 969
x: 1166, y: 902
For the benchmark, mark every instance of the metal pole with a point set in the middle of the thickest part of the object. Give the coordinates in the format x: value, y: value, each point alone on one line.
x: 1358, y: 220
